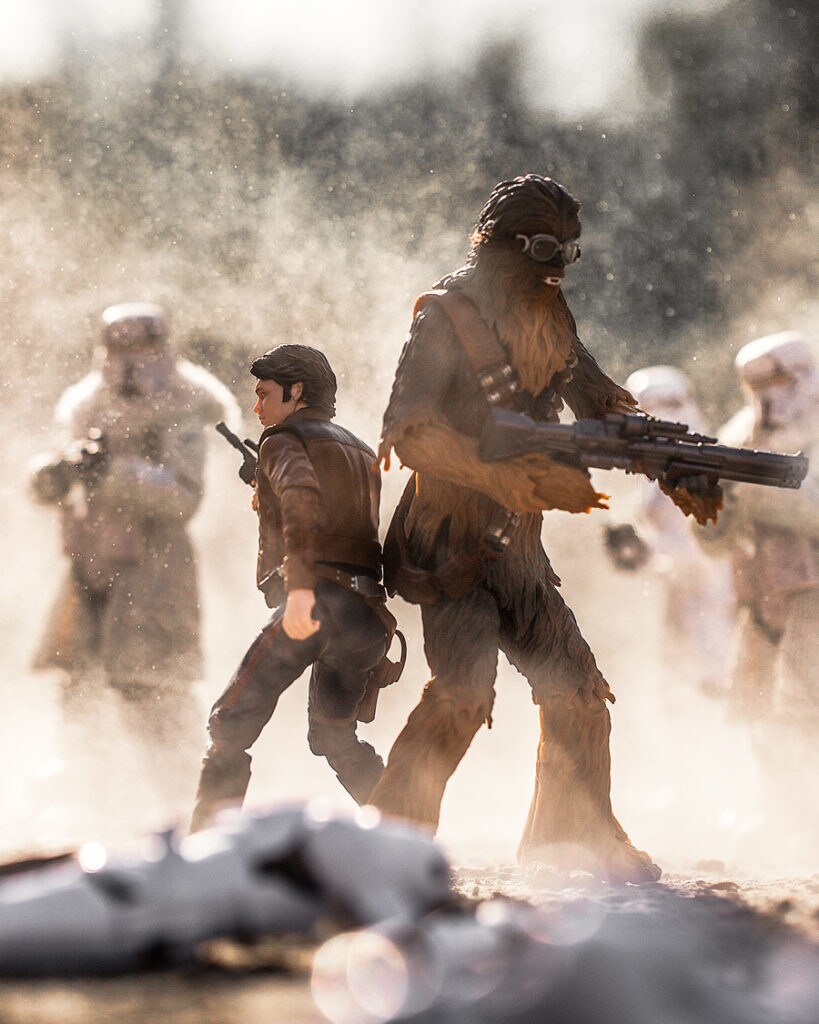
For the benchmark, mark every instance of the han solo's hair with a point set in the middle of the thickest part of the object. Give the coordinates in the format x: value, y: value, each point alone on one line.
x: 289, y: 364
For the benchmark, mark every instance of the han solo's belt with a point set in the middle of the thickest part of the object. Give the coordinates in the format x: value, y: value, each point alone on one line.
x: 363, y: 585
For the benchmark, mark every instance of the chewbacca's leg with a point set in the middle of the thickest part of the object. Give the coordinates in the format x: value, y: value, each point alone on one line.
x: 460, y: 640
x: 571, y: 806
x: 428, y: 750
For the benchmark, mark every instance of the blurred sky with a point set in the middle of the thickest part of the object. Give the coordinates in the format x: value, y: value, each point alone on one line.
x: 580, y: 54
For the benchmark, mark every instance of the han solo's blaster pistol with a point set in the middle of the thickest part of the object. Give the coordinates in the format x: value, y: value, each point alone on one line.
x: 249, y: 450
x: 637, y: 444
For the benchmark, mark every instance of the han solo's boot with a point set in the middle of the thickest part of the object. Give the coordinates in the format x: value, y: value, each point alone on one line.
x: 223, y: 782
x: 356, y: 764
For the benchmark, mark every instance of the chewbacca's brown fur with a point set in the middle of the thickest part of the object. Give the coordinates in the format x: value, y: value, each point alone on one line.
x: 538, y: 336
x: 434, y: 425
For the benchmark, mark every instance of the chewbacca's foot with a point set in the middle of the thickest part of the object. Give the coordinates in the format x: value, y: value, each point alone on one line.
x: 625, y: 863
x: 618, y: 861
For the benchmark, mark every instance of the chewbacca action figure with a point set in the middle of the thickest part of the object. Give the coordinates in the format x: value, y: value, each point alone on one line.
x: 465, y: 540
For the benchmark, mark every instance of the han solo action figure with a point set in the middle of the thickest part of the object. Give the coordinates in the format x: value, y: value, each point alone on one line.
x: 319, y: 565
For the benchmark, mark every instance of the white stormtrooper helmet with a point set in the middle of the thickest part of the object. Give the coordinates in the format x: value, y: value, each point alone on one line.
x: 665, y: 393
x: 778, y: 373
x: 134, y: 356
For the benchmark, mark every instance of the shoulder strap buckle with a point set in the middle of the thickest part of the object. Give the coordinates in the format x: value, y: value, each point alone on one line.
x: 499, y: 383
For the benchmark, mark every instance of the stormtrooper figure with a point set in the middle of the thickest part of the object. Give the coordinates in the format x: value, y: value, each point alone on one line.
x: 126, y: 477
x: 773, y: 538
x: 695, y: 589
x: 275, y: 873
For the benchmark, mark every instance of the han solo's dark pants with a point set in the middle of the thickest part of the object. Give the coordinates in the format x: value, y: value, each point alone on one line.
x: 351, y: 641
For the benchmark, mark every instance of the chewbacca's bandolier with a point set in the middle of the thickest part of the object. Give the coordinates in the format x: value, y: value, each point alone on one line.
x: 465, y: 545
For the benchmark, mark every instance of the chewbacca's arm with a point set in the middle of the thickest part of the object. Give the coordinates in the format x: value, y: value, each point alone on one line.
x: 590, y: 392
x: 430, y: 377
x: 523, y: 484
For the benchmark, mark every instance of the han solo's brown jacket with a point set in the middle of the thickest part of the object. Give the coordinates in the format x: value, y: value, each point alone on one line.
x: 317, y: 490
x: 305, y: 464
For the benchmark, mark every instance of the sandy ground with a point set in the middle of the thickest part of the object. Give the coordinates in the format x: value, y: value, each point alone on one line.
x: 688, y: 781
x: 177, y: 998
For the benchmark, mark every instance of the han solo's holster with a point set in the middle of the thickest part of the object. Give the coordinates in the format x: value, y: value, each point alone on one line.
x: 386, y: 672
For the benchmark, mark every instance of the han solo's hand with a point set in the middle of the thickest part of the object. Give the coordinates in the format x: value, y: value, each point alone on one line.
x: 298, y: 622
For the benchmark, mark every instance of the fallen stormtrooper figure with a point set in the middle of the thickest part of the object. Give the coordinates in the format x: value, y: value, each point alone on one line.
x: 642, y: 956
x: 252, y: 875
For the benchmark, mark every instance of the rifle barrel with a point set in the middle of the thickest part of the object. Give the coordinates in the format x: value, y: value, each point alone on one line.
x: 652, y: 448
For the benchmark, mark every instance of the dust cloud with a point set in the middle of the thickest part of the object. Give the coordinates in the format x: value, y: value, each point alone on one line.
x: 259, y: 215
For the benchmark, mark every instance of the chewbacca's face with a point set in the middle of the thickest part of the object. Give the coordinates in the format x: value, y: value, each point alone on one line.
x: 530, y: 231
x: 549, y: 253
x: 534, y: 262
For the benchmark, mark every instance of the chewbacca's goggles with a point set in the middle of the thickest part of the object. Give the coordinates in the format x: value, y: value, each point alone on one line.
x: 544, y: 248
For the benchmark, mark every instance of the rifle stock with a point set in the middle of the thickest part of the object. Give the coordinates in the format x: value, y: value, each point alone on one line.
x: 637, y: 444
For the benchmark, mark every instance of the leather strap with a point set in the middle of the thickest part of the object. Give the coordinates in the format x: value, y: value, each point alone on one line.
x: 366, y: 586
x: 463, y: 571
x: 486, y: 355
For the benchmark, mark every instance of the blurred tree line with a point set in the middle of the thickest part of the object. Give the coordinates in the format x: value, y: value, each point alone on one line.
x: 264, y: 213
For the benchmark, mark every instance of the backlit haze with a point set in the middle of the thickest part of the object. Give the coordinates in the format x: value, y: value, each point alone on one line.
x: 579, y: 57
x: 277, y: 172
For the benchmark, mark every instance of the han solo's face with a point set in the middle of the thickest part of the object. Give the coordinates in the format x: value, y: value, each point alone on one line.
x: 270, y: 406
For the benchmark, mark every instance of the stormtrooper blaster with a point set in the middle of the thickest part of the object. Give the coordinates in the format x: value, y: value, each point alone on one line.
x: 84, y: 461
x: 658, y: 449
x: 86, y: 458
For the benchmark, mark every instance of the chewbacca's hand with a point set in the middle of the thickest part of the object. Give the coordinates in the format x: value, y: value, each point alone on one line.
x: 695, y: 496
x: 537, y: 484
x: 525, y: 483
